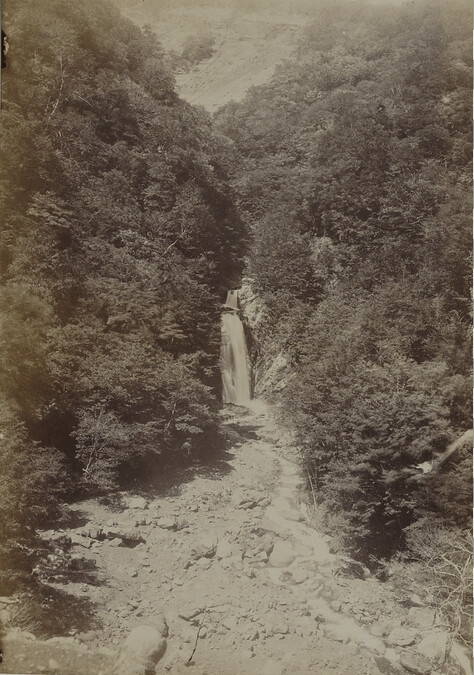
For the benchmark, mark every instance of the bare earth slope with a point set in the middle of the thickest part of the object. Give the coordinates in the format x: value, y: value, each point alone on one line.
x: 248, y: 47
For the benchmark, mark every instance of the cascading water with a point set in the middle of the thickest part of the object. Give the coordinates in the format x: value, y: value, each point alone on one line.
x: 234, y: 356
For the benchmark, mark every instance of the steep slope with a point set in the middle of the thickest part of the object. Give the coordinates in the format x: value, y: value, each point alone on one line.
x: 248, y: 45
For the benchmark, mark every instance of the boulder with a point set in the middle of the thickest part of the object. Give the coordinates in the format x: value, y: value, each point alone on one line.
x: 265, y: 543
x: 131, y: 538
x: 205, y: 547
x: 167, y: 523
x: 281, y: 629
x: 79, y: 540
x: 141, y: 651
x: 415, y: 663
x: 433, y: 647
x: 92, y: 531
x: 79, y: 563
x: 401, y: 637
x: 248, y: 504
x: 191, y: 614
x: 136, y: 502
x: 298, y: 576
x: 422, y: 617
x: 282, y: 554
x: 385, y: 666
x: 111, y: 532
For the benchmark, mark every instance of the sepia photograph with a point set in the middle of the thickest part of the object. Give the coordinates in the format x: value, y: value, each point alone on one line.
x: 236, y: 337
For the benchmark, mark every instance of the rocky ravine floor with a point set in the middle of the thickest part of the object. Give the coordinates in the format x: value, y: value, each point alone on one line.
x: 245, y: 585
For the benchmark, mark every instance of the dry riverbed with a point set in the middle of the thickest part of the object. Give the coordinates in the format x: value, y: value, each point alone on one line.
x: 243, y: 582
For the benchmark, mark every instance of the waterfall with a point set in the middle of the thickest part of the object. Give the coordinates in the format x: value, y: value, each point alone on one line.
x: 234, y: 356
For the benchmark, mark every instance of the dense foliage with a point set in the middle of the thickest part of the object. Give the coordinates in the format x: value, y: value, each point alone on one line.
x: 355, y: 175
x: 119, y: 238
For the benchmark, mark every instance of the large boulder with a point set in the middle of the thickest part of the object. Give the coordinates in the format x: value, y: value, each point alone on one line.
x: 282, y: 554
x: 433, y: 647
x: 141, y: 651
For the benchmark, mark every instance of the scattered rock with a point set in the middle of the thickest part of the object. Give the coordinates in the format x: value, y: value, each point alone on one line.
x: 282, y: 554
x: 401, y: 637
x: 415, y: 663
x: 433, y: 647
x: 141, y: 651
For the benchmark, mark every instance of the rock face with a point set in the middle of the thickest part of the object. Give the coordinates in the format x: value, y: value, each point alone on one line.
x: 141, y: 651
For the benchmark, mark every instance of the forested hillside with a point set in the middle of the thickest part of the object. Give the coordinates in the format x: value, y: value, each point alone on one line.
x: 119, y: 238
x: 354, y: 172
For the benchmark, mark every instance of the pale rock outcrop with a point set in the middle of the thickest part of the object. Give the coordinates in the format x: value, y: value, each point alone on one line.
x: 142, y: 650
